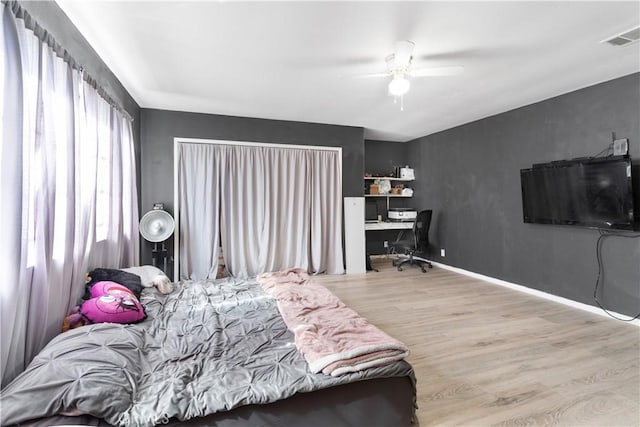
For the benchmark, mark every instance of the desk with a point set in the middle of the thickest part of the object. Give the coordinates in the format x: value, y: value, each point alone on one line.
x: 377, y: 241
x: 388, y: 225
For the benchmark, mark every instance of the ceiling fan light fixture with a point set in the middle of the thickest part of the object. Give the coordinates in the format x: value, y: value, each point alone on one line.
x: 399, y: 85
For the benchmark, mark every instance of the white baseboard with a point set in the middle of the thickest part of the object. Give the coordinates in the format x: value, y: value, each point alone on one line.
x: 541, y: 294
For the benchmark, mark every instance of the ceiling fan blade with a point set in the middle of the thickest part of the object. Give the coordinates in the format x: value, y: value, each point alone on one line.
x: 385, y: 74
x: 453, y: 70
x: 402, y: 55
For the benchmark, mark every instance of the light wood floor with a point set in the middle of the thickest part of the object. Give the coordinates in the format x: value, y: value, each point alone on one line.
x: 487, y: 355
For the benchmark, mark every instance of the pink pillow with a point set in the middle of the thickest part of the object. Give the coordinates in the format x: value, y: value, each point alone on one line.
x: 113, y: 303
x: 109, y: 288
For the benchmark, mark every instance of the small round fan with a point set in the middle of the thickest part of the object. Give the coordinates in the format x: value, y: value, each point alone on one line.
x: 157, y: 225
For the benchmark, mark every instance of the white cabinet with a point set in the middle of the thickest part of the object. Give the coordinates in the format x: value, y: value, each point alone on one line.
x: 354, y: 238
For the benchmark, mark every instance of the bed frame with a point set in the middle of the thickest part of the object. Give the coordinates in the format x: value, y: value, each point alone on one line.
x: 374, y: 402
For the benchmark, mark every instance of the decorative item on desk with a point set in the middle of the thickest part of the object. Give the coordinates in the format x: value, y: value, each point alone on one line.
x: 407, y: 173
x: 402, y: 214
x: 384, y: 186
x: 397, y: 189
x: 374, y: 189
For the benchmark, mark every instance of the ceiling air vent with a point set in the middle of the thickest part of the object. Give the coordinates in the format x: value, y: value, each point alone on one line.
x: 625, y: 38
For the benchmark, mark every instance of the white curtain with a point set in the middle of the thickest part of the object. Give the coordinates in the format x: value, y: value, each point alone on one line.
x: 269, y: 208
x: 325, y: 176
x: 199, y: 203
x: 65, y: 153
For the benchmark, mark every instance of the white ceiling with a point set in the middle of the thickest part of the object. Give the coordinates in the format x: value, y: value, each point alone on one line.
x: 298, y: 60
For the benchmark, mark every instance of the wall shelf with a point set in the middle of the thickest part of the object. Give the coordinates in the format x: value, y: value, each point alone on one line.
x: 388, y: 195
x: 387, y: 178
x: 385, y: 195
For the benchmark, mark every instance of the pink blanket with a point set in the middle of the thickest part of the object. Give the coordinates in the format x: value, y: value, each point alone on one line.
x: 333, y: 338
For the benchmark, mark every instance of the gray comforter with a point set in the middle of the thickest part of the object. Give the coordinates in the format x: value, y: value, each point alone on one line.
x: 209, y: 346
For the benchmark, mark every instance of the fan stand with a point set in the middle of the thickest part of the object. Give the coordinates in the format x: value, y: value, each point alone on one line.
x: 164, y: 254
x: 161, y: 253
x: 154, y: 255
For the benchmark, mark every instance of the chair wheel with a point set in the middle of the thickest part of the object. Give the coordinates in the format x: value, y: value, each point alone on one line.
x: 423, y: 269
x: 399, y: 268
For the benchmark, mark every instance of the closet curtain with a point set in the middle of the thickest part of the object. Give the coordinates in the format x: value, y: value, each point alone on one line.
x: 67, y: 179
x: 269, y: 208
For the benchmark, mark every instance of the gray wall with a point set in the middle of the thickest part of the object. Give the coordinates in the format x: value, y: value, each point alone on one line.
x: 380, y: 157
x: 469, y: 176
x: 159, y: 127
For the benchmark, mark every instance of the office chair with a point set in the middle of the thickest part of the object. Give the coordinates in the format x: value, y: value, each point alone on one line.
x: 418, y: 243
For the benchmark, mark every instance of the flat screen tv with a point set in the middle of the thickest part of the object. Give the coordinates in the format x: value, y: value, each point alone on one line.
x: 594, y: 193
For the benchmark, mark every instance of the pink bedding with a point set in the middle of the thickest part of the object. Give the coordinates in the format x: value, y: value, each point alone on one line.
x: 333, y: 338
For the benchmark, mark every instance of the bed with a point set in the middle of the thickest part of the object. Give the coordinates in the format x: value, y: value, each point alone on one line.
x: 215, y: 352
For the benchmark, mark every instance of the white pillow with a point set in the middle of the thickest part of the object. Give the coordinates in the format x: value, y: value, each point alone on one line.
x: 152, y: 276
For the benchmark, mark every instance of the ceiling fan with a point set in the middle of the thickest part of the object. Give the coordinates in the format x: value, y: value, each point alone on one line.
x: 399, y: 68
